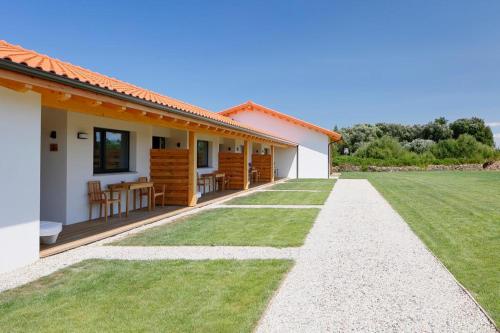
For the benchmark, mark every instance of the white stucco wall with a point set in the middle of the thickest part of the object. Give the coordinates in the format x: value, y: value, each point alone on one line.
x: 20, y: 115
x: 53, y: 166
x: 67, y: 171
x: 313, y: 149
x: 80, y: 160
x: 285, y: 160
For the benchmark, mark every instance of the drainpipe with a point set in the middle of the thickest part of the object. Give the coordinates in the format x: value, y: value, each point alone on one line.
x: 297, y: 162
x: 329, y: 158
x: 330, y: 155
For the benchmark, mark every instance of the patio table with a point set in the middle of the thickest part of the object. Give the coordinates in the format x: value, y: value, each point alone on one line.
x: 132, y: 186
x: 213, y: 179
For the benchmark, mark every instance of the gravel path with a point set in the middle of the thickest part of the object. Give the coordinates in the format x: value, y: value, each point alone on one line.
x: 362, y: 269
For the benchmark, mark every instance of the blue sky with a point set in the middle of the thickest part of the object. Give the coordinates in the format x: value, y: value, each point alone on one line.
x: 331, y: 62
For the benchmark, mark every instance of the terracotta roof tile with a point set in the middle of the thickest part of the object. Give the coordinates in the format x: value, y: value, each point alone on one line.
x: 33, y: 59
x: 254, y: 106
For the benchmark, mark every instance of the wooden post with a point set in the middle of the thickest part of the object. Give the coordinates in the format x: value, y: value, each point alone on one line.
x: 272, y: 164
x: 246, y: 183
x: 192, y: 190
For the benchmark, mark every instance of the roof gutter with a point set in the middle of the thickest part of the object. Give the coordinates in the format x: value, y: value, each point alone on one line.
x: 23, y: 69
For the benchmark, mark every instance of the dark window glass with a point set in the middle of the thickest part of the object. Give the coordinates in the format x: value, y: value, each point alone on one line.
x: 111, y: 150
x: 159, y: 142
x: 97, y: 150
x: 202, y: 157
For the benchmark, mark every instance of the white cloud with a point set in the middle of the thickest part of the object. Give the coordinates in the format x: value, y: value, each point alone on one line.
x: 496, y: 136
x: 494, y: 124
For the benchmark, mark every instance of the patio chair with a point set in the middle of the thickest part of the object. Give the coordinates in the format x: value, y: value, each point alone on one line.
x: 159, y: 191
x: 221, y: 180
x: 202, y: 182
x: 142, y: 192
x: 102, y: 198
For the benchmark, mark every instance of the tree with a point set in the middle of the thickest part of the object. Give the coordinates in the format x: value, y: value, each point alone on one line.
x: 437, y: 130
x: 475, y: 127
x: 358, y: 135
x: 403, y: 133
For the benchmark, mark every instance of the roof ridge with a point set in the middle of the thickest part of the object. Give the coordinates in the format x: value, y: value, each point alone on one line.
x: 250, y: 103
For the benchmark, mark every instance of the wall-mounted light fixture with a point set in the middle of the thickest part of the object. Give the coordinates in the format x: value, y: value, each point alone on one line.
x: 82, y: 136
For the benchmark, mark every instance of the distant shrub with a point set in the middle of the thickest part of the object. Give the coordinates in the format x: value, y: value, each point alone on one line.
x: 437, y: 130
x: 383, y: 148
x: 419, y: 146
x: 358, y: 135
x: 475, y: 127
x: 465, y: 147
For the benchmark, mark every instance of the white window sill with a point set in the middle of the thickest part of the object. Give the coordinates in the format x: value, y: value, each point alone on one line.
x: 115, y: 173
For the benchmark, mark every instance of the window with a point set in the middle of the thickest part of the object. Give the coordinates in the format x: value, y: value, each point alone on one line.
x: 111, y: 150
x: 202, y: 154
x: 159, y: 142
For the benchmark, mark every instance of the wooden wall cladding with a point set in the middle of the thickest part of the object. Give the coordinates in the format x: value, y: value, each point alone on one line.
x: 263, y: 164
x: 232, y: 165
x: 171, y: 167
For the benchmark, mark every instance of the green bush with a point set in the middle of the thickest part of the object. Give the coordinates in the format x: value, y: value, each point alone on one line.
x: 475, y: 127
x: 383, y: 148
x: 465, y: 147
x: 419, y: 146
x: 387, y: 151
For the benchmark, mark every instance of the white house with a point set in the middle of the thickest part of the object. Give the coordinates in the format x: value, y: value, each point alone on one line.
x: 310, y: 159
x: 62, y: 126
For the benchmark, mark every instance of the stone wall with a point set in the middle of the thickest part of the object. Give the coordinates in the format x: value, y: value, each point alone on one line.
x: 458, y: 167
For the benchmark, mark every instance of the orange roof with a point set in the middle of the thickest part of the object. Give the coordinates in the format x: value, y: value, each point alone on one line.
x: 250, y: 106
x: 19, y: 55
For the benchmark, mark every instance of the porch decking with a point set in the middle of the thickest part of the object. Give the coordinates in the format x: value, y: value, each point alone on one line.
x: 82, y: 233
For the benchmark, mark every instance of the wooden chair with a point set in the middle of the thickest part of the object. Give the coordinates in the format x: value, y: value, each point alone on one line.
x: 221, y: 181
x: 102, y: 198
x: 201, y: 183
x: 159, y: 191
x: 256, y: 175
x: 142, y: 192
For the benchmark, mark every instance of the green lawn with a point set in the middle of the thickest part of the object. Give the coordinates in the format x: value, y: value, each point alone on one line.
x: 232, y: 226
x: 457, y: 215
x: 145, y: 296
x: 315, y: 186
x: 281, y: 198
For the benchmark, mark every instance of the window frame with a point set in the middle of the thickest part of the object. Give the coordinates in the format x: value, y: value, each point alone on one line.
x: 102, y: 150
x: 207, y: 154
x: 160, y: 139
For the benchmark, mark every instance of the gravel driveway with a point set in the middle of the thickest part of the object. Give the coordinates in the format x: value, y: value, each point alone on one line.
x: 362, y: 269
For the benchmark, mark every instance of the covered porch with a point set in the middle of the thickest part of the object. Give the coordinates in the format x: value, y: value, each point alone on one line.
x: 91, y: 136
x: 71, y: 126
x: 82, y: 233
